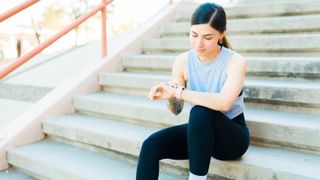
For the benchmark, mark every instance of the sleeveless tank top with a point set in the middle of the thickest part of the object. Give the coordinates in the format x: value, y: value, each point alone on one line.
x: 210, y: 77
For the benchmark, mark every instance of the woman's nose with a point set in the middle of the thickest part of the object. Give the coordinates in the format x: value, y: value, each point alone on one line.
x: 199, y: 43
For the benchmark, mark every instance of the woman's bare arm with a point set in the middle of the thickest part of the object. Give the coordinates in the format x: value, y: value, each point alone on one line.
x: 173, y: 104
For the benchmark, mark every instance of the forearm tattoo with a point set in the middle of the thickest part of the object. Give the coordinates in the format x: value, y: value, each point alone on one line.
x: 175, y: 105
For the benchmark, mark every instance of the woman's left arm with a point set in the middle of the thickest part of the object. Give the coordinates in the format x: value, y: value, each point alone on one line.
x: 233, y: 85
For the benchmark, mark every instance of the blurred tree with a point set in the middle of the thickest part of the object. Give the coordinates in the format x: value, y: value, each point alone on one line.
x: 54, y: 18
x: 37, y: 27
x: 77, y: 9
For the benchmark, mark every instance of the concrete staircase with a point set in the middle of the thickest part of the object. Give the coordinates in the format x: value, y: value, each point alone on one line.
x: 103, y: 138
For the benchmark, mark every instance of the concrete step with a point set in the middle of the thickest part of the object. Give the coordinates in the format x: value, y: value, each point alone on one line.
x: 293, y: 92
x: 287, y: 8
x: 131, y: 108
x: 285, y: 24
x: 244, y: 43
x: 285, y: 92
x: 258, y: 162
x: 302, y: 67
x: 54, y: 160
x: 101, y: 132
x: 270, y: 127
x: 11, y: 174
x: 147, y: 63
x: 132, y: 83
x: 290, y: 67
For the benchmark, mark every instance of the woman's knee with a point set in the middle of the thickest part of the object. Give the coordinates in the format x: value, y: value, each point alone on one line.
x: 151, y: 146
x: 200, y: 117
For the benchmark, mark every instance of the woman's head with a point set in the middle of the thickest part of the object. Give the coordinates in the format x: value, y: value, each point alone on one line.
x: 208, y: 26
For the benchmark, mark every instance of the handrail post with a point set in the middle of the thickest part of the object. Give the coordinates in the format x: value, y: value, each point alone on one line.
x: 104, y: 29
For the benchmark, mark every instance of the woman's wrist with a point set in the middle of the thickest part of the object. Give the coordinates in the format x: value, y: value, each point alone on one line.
x: 178, y: 93
x: 183, y: 94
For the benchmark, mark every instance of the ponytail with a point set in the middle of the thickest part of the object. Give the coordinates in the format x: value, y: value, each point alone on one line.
x: 225, y: 43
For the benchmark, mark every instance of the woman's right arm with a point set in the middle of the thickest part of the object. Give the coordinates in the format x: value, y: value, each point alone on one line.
x: 178, y: 75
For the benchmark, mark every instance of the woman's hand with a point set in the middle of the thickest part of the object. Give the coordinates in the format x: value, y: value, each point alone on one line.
x: 165, y: 90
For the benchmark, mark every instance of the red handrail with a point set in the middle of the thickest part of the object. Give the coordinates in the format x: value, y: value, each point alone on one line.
x: 102, y: 7
x: 17, y: 9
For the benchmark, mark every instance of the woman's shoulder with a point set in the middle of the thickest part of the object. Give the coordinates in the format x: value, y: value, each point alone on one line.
x: 237, y: 63
x: 182, y: 58
x: 237, y: 58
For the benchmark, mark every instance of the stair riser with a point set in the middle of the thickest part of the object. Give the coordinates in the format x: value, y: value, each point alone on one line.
x: 297, y: 68
x: 277, y: 135
x: 38, y: 168
x: 302, y: 24
x: 270, y: 44
x: 285, y: 96
x: 146, y: 63
x: 142, y: 113
x: 257, y: 93
x: 94, y: 138
x: 265, y: 10
x: 272, y: 134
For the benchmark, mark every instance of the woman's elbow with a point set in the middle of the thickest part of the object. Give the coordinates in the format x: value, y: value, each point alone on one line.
x: 226, y: 106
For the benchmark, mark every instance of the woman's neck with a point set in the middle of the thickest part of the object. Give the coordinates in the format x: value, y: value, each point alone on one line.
x: 211, y: 56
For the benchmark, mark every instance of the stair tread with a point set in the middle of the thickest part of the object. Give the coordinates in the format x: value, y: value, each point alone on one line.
x: 295, y: 23
x: 285, y: 83
x: 155, y: 57
x: 262, y: 82
x: 273, y: 158
x: 252, y: 113
x: 275, y: 18
x: 10, y: 174
x: 73, y: 161
x: 246, y: 36
x: 103, y: 126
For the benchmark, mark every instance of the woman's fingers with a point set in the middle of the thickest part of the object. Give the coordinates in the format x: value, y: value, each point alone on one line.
x: 162, y: 90
x: 153, y: 91
x: 173, y: 84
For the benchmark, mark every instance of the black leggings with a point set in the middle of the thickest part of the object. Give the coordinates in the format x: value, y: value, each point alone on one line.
x: 208, y: 133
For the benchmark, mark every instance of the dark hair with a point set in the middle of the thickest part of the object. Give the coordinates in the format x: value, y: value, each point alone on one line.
x: 214, y: 15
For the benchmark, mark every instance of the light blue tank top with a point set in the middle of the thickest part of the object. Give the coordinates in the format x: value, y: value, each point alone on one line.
x: 210, y: 77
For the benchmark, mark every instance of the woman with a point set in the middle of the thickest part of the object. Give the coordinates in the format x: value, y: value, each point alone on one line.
x: 214, y: 75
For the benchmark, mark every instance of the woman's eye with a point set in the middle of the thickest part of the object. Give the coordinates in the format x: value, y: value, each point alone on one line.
x: 193, y: 35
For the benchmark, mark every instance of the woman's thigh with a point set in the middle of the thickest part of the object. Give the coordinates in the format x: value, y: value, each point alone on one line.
x: 171, y: 142
x: 231, y: 138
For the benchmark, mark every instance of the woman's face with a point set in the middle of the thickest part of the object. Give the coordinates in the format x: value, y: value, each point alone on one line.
x: 204, y: 39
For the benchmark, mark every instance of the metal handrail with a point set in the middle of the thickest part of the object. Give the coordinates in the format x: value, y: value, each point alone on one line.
x: 17, y: 9
x: 17, y: 63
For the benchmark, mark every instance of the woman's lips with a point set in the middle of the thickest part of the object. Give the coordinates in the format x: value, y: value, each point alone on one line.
x: 200, y: 50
